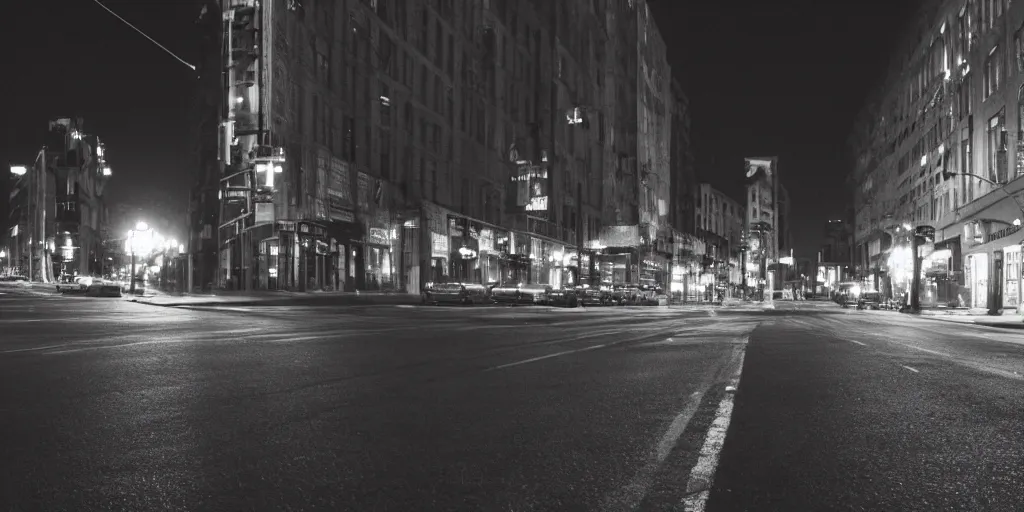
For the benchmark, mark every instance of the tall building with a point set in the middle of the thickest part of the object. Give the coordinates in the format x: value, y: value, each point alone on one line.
x: 58, y: 206
x: 766, y: 202
x: 633, y: 247
x: 386, y: 145
x: 835, y: 247
x: 687, y: 248
x: 932, y: 159
x: 721, y: 222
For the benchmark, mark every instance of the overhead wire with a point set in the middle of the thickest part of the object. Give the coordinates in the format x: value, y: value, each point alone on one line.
x: 154, y: 41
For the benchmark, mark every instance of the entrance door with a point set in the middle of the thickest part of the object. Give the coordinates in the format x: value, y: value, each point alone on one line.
x: 997, y: 284
x: 979, y: 280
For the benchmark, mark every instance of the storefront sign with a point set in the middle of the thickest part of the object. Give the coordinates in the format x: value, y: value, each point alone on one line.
x: 320, y: 200
x: 621, y: 236
x: 339, y: 191
x: 1005, y: 232
x: 436, y: 220
x: 486, y: 239
x: 378, y: 236
x: 438, y: 245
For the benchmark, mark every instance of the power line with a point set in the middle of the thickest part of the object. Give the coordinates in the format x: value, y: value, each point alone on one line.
x: 162, y: 47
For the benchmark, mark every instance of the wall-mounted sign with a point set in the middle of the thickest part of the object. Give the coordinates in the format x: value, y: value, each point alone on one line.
x: 1002, y: 233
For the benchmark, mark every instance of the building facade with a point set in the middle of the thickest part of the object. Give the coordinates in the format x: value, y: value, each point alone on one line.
x: 721, y: 222
x: 58, y: 209
x: 766, y: 230
x: 687, y: 248
x: 939, y: 156
x: 390, y: 144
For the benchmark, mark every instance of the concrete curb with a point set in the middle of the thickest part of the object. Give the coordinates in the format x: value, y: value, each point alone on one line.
x: 951, y: 319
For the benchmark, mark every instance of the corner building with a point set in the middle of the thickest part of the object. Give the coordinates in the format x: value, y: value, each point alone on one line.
x: 432, y: 141
x: 939, y: 146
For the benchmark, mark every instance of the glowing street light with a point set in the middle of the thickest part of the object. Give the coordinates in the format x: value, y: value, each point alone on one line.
x: 19, y: 170
x: 140, y: 228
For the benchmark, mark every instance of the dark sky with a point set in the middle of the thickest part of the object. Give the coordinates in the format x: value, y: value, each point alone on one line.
x: 779, y: 78
x: 769, y: 78
x: 72, y: 58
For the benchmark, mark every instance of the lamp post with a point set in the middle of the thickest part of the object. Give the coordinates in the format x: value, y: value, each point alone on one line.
x: 20, y: 171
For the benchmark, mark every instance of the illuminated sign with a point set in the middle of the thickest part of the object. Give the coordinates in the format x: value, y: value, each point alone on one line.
x: 537, y: 204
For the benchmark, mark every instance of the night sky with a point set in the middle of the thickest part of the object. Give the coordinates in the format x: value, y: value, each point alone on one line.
x: 769, y: 78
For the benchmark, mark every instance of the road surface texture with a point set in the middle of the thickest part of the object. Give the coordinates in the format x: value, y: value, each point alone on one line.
x: 112, y: 405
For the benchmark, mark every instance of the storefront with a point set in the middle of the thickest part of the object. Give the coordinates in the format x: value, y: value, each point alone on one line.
x: 992, y: 266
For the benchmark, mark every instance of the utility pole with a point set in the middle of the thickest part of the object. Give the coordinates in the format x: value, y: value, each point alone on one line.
x: 40, y: 235
x: 31, y: 220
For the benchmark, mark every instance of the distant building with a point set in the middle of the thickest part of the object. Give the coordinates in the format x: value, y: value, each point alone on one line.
x: 720, y: 223
x: 765, y: 233
x: 58, y: 205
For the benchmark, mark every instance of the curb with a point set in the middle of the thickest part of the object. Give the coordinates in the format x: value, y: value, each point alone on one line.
x: 270, y: 302
x: 1008, y: 326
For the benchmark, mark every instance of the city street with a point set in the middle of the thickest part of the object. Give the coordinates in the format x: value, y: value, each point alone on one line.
x: 108, y: 404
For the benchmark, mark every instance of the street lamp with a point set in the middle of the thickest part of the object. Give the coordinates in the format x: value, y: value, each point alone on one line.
x: 19, y: 170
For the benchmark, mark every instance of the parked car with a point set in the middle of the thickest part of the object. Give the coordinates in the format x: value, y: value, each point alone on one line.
x: 593, y: 296
x: 870, y: 300
x: 455, y: 293
x: 535, y: 294
x: 566, y: 297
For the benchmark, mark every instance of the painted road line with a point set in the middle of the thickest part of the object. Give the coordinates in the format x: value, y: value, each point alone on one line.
x: 549, y: 356
x: 915, y: 370
x: 32, y: 349
x: 630, y: 496
x: 858, y: 342
x: 702, y: 476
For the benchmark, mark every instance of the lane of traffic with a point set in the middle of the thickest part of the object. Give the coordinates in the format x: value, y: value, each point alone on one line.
x: 820, y: 421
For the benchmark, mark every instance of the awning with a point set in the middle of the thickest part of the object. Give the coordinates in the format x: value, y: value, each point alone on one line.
x: 949, y: 243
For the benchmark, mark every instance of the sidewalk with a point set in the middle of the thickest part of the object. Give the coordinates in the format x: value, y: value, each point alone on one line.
x: 274, y: 298
x: 1006, y: 321
x: 31, y: 287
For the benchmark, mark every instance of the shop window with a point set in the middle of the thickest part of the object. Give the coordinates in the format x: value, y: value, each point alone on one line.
x: 1012, y: 271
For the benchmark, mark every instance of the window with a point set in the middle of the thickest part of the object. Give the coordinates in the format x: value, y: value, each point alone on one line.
x: 1018, y: 50
x: 965, y: 28
x: 323, y: 69
x: 993, y: 71
x: 348, y: 143
x: 966, y: 167
x: 298, y: 106
x: 318, y: 128
x: 384, y: 136
x: 996, y: 145
x: 967, y: 96
x: 385, y: 104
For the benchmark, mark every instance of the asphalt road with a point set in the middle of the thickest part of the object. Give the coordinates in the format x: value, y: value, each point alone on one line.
x: 112, y: 405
